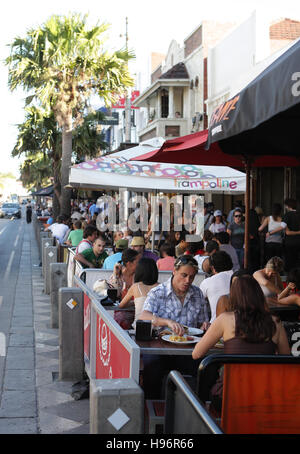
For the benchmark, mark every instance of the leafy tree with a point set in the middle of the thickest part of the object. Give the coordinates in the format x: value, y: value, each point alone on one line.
x: 62, y: 64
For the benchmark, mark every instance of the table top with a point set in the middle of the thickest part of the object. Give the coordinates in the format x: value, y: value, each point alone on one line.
x: 276, y: 306
x: 158, y: 346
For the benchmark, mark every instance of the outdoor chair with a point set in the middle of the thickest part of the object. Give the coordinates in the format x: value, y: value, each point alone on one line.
x: 261, y: 393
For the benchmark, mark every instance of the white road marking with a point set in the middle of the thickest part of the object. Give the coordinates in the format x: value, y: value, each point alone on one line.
x: 4, y: 228
x: 17, y: 239
x: 9, y: 266
x: 2, y: 344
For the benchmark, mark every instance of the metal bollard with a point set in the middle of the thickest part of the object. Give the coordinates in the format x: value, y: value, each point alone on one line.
x: 45, y: 242
x: 50, y: 254
x: 70, y: 322
x: 58, y: 279
x: 116, y: 407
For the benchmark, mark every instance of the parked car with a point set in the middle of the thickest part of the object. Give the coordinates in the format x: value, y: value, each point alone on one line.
x: 10, y: 209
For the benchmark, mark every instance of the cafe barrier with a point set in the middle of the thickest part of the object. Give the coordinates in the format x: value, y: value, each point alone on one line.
x: 181, y: 400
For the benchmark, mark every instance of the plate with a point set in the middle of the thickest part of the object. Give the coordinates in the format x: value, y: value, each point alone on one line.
x: 194, y: 331
x: 167, y: 338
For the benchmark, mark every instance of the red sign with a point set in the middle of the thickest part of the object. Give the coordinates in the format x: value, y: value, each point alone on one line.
x: 121, y: 104
x: 86, y: 325
x: 112, y: 358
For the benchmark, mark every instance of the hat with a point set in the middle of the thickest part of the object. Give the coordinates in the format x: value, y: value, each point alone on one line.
x: 137, y: 241
x: 217, y: 213
x: 122, y: 244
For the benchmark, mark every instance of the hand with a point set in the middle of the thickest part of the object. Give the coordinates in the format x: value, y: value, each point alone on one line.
x: 118, y: 269
x: 267, y: 235
x: 205, y: 326
x: 291, y: 286
x: 176, y: 327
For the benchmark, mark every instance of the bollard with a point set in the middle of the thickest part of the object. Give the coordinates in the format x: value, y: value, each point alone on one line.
x: 70, y: 322
x: 116, y: 407
x: 58, y: 279
x: 50, y: 254
x: 46, y: 242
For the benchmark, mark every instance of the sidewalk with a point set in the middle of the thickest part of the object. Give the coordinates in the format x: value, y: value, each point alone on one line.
x: 33, y: 400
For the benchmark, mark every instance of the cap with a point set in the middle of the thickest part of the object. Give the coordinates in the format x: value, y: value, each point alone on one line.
x: 137, y: 241
x: 217, y: 213
x: 122, y: 244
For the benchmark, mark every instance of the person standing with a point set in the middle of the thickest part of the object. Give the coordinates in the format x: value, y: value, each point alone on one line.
x: 217, y: 224
x: 274, y: 237
x: 236, y: 231
x: 292, y: 235
x: 28, y: 213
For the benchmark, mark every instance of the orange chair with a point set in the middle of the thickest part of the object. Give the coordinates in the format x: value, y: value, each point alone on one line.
x: 261, y: 394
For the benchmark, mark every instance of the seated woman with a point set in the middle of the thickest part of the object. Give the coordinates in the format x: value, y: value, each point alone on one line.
x: 145, y: 278
x: 249, y: 328
x: 269, y: 278
x: 122, y: 279
x: 289, y: 295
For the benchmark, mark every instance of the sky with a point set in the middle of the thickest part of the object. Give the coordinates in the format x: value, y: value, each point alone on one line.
x: 151, y: 28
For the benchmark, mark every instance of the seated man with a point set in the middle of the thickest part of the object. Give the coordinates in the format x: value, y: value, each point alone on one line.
x: 59, y: 228
x: 138, y: 244
x: 90, y: 233
x: 223, y: 240
x: 110, y: 261
x: 203, y: 260
x: 95, y: 256
x: 219, y: 283
x: 173, y: 303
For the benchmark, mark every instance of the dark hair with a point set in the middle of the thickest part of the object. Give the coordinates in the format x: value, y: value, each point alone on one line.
x: 221, y: 261
x: 223, y: 237
x: 89, y: 230
x: 276, y: 211
x: 294, y: 277
x: 238, y: 273
x: 211, y: 246
x: 146, y: 271
x: 78, y: 224
x: 194, y: 246
x: 60, y: 218
x: 254, y: 322
x: 291, y: 203
x: 168, y: 248
x: 128, y: 255
x: 207, y: 235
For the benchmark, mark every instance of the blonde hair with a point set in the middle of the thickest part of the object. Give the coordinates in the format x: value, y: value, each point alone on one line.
x: 275, y: 264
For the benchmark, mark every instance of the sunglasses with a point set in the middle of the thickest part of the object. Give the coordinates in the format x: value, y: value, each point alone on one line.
x: 186, y: 260
x: 237, y: 215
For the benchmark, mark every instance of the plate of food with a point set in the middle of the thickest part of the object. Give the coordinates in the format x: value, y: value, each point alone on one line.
x: 175, y: 339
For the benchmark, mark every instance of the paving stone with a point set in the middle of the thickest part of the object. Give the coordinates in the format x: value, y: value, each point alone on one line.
x: 12, y: 426
x: 20, y: 358
x: 19, y: 380
x: 21, y: 339
x: 18, y: 404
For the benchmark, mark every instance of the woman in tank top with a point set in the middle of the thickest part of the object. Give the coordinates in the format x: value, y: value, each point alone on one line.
x: 274, y: 235
x: 249, y: 328
x: 145, y: 278
x: 269, y: 277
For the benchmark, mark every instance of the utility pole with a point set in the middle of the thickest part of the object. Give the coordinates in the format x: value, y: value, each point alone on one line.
x: 127, y: 101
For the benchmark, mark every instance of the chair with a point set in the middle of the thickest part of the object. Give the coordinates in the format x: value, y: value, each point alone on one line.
x: 261, y: 393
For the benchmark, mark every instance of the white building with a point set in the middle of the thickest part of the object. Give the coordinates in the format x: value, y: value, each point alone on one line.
x: 173, y: 103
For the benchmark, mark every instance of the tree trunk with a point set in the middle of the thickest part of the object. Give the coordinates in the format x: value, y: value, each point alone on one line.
x: 65, y: 207
x: 57, y: 186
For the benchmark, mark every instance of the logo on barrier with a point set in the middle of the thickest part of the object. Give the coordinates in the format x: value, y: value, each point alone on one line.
x: 104, y: 344
x: 87, y: 317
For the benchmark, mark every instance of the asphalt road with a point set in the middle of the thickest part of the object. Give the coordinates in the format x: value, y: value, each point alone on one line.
x: 11, y: 241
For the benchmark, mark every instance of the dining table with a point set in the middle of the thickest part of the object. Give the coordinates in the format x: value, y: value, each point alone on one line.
x: 286, y: 312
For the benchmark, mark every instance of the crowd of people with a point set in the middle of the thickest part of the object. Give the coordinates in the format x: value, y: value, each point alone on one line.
x: 230, y: 303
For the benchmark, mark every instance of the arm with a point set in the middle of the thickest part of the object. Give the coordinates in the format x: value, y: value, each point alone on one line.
x: 212, y: 335
x: 291, y: 232
x: 83, y: 260
x: 265, y: 282
x: 263, y: 225
x: 283, y: 343
x: 159, y: 321
x: 127, y: 298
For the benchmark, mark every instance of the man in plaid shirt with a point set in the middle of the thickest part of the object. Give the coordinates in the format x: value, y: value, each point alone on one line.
x: 173, y: 304
x: 177, y: 302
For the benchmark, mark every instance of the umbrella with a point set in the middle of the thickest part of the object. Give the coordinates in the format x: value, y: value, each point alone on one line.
x: 262, y: 121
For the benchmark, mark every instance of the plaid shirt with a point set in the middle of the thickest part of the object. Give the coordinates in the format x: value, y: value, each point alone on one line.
x: 163, y: 302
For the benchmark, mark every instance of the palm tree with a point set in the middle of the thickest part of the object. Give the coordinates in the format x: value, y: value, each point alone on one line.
x: 62, y: 64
